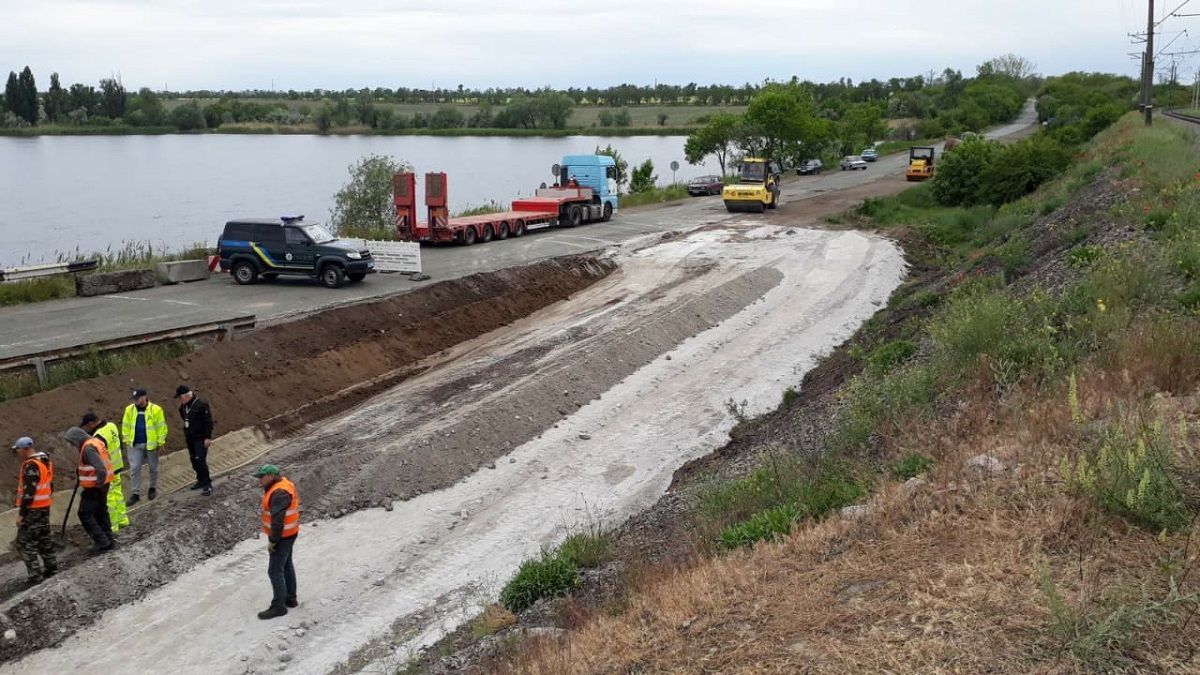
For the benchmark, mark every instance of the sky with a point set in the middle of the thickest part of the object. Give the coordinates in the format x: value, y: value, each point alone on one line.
x: 305, y: 44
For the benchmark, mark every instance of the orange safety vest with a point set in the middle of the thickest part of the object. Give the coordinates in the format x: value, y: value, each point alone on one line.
x: 87, y: 472
x: 291, y: 518
x: 45, y: 492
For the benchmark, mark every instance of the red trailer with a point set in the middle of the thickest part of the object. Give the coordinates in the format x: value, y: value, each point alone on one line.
x: 568, y: 207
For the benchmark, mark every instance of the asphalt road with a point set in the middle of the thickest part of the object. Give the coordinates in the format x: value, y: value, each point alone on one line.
x: 61, y: 324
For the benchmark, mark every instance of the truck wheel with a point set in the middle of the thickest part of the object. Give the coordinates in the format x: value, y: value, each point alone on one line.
x: 244, y: 273
x: 468, y: 236
x: 575, y: 214
x: 503, y: 231
x: 607, y: 212
x: 762, y: 207
x: 518, y: 228
x: 333, y: 276
x: 774, y: 202
x: 487, y: 234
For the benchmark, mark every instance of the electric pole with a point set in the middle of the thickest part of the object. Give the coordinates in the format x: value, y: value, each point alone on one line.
x: 1148, y: 68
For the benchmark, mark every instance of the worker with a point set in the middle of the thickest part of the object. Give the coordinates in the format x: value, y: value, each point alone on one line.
x: 572, y: 183
x: 144, y: 433
x: 95, y: 476
x: 281, y: 524
x: 197, y: 432
x: 107, y: 432
x: 35, y: 495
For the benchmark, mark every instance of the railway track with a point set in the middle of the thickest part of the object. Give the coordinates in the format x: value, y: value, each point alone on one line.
x: 1180, y: 116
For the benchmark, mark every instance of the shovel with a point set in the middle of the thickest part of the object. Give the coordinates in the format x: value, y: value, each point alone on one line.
x: 62, y: 534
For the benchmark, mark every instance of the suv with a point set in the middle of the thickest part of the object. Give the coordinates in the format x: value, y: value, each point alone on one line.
x: 809, y: 167
x: 250, y: 248
x: 870, y: 155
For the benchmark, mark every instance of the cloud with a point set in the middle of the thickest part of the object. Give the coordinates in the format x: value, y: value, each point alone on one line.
x: 301, y: 44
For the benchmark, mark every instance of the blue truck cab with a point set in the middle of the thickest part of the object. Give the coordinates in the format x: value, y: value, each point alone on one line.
x: 598, y: 172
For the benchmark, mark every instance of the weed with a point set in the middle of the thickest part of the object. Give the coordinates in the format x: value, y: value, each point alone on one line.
x: 790, y: 396
x: 1083, y: 256
x: 737, y: 411
x: 1157, y: 220
x: 922, y: 300
x: 587, y: 549
x: 765, y: 525
x: 490, y: 207
x: 90, y: 364
x: 889, y: 355
x: 547, y: 576
x: 492, y: 620
x: 912, y: 465
x: 37, y: 290
x: 870, y: 403
x: 1014, y: 257
x: 1077, y: 234
x: 655, y: 195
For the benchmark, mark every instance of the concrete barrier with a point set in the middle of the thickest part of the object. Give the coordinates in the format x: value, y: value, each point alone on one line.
x: 114, y: 282
x: 180, y: 271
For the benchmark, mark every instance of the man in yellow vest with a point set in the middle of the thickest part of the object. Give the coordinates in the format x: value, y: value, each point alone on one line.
x: 107, y: 432
x: 35, y: 494
x: 144, y: 433
x: 95, y: 475
x: 281, y: 523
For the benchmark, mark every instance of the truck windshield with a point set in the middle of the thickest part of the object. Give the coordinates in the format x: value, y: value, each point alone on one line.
x: 317, y: 233
x: 754, y: 172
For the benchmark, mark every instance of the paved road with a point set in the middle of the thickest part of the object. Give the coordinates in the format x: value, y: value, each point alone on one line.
x: 34, y: 328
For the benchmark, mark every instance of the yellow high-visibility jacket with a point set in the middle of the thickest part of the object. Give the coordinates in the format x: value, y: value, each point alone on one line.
x: 112, y: 439
x: 156, y: 426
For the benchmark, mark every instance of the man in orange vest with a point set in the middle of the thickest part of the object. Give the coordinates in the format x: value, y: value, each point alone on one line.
x: 95, y: 475
x: 281, y: 524
x: 35, y: 493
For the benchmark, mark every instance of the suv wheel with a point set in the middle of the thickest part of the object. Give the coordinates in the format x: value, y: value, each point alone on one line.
x: 333, y: 276
x: 244, y: 273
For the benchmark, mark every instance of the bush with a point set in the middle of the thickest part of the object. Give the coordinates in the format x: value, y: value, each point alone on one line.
x: 778, y: 496
x: 868, y: 403
x: 549, y: 576
x: 1019, y: 169
x: 587, y: 549
x: 188, y: 117
x: 889, y: 355
x: 364, y: 207
x: 913, y: 465
x: 642, y: 179
x: 958, y: 179
x: 447, y: 117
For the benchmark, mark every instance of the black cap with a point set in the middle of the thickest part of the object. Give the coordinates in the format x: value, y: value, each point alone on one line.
x: 88, y: 418
x: 181, y: 390
x: 138, y: 393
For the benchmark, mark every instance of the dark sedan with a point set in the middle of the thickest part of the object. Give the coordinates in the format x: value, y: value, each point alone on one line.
x: 705, y: 185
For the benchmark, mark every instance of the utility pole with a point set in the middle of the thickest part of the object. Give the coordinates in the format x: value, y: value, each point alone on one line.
x: 1148, y: 68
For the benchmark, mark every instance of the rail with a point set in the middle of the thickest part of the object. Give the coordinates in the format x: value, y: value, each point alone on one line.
x: 1171, y: 112
x: 38, y: 361
x: 11, y: 274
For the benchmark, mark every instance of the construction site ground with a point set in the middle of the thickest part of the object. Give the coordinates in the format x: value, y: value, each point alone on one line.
x: 450, y: 435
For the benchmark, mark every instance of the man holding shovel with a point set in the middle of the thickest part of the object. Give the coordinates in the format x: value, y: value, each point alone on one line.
x: 107, y: 432
x: 35, y: 493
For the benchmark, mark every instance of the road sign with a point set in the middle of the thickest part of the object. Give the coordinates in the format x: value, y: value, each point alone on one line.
x: 395, y: 256
x: 674, y: 168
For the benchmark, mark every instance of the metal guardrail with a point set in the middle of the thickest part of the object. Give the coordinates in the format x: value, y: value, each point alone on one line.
x: 38, y: 361
x: 49, y: 269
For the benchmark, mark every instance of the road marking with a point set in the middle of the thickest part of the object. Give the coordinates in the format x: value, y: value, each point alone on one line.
x: 124, y: 297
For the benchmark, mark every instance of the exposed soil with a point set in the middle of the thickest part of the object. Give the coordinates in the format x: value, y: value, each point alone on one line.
x: 276, y: 370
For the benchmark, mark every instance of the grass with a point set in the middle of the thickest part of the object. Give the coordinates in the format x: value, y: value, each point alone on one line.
x: 656, y: 195
x: 555, y: 573
x: 37, y: 290
x: 17, y: 384
x: 912, y: 465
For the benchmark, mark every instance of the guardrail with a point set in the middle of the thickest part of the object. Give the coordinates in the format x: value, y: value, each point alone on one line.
x: 228, y: 328
x: 49, y: 269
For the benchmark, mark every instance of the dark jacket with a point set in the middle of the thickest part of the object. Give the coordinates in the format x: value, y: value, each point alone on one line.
x: 280, y: 501
x: 197, y: 419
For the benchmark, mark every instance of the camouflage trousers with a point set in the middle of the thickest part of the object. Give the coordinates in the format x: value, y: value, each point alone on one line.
x: 34, y: 539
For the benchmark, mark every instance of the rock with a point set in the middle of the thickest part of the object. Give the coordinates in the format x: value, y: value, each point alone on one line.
x: 284, y: 658
x: 114, y: 282
x: 379, y: 582
x: 491, y: 465
x: 388, y: 506
x: 546, y: 632
x: 856, y: 511
x: 985, y: 464
x: 915, y: 483
x: 10, y: 635
x: 585, y: 437
x: 668, y: 357
x: 299, y: 632
x: 512, y: 460
x: 418, y: 276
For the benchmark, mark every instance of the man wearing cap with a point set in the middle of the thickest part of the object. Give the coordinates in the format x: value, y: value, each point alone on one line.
x: 197, y: 431
x: 35, y: 494
x: 281, y: 524
x: 95, y: 475
x: 144, y: 433
x: 107, y: 432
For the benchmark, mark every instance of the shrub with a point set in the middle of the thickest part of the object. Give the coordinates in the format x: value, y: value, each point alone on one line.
x: 912, y: 465
x: 959, y: 176
x: 364, y: 208
x: 642, y: 179
x: 548, y: 576
x: 1083, y: 256
x: 783, y: 495
x: 868, y: 403
x: 889, y: 355
x: 1019, y: 169
x: 587, y: 549
x: 765, y: 525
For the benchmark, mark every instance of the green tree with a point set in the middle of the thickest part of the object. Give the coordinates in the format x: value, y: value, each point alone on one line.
x: 643, y: 179
x: 56, y: 100
x: 1019, y: 169
x: 364, y: 207
x: 619, y: 162
x: 14, y: 96
x: 552, y: 109
x: 188, y: 117
x: 958, y: 179
x: 146, y: 108
x: 621, y: 119
x: 780, y: 122
x: 364, y: 107
x: 324, y: 118
x: 113, y: 98
x: 447, y: 117
x: 521, y: 112
x: 82, y: 96
x: 606, y: 118
x: 29, y: 96
x: 662, y: 119
x: 860, y: 125
x: 715, y: 138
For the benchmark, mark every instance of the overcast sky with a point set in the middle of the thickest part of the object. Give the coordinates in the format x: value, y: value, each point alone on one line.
x: 303, y: 44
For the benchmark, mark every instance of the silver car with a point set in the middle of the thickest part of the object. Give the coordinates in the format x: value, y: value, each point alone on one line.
x: 853, y: 163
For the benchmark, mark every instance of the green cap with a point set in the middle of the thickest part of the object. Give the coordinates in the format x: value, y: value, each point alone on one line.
x: 266, y: 470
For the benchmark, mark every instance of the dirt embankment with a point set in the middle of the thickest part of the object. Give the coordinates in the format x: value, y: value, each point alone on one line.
x: 298, y: 364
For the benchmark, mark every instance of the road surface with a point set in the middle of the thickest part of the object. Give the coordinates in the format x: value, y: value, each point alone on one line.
x: 59, y: 324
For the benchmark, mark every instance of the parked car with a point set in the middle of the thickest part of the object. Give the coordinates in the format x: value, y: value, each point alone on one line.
x: 870, y: 155
x: 853, y: 163
x: 253, y: 248
x: 705, y: 185
x: 809, y: 167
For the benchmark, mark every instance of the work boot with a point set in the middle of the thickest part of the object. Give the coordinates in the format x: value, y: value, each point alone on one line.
x: 33, y: 580
x: 207, y: 491
x: 196, y: 486
x: 49, y: 572
x: 133, y: 499
x: 292, y: 602
x: 272, y: 612
x: 153, y: 493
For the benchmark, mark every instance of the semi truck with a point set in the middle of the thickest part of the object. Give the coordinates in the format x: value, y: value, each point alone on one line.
x: 585, y: 191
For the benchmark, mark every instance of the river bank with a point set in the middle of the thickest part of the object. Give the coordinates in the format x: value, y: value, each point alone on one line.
x: 312, y: 130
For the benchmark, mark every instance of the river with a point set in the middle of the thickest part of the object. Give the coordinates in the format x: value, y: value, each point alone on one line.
x: 65, y: 195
